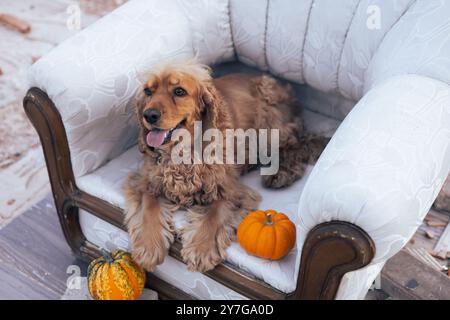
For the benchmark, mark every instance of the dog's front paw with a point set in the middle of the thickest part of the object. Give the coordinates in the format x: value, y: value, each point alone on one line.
x: 148, y: 260
x: 152, y: 249
x: 202, y: 258
x: 151, y: 245
x: 205, y: 250
x: 150, y: 228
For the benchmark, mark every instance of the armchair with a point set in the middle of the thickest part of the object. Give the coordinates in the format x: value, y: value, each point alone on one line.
x: 359, y: 204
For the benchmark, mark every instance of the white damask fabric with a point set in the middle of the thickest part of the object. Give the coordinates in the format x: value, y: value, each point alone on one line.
x: 354, y: 285
x: 327, y: 32
x: 372, y: 20
x: 248, y: 25
x: 331, y: 104
x: 418, y: 44
x: 285, y: 36
x: 385, y: 164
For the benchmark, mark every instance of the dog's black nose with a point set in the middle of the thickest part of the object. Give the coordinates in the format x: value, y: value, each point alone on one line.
x: 152, y: 115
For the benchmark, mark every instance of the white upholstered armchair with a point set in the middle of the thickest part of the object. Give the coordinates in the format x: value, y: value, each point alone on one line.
x: 383, y: 67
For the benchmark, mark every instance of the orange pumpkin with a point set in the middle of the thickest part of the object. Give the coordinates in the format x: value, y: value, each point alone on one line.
x: 267, y: 234
x: 115, y: 276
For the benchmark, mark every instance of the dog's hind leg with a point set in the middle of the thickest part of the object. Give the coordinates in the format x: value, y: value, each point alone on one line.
x: 242, y: 198
x: 280, y: 111
x: 148, y: 220
x: 291, y: 167
x: 294, y: 154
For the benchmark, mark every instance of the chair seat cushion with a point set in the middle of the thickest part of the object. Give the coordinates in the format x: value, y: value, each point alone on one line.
x: 107, y: 183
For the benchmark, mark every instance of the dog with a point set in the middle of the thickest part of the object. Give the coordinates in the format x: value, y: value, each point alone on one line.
x: 173, y: 97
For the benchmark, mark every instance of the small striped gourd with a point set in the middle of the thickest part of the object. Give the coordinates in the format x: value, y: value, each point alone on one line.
x: 267, y: 234
x: 115, y: 276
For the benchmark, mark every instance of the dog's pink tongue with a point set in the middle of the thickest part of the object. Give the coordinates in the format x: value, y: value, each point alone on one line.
x: 155, y: 138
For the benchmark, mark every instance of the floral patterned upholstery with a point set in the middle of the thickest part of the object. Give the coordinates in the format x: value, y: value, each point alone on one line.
x: 386, y: 163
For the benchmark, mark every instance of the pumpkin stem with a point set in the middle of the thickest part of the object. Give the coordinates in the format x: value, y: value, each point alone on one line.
x: 269, y: 220
x: 108, y: 257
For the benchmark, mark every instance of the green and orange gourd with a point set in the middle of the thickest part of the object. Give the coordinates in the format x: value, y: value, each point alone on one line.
x: 115, y: 276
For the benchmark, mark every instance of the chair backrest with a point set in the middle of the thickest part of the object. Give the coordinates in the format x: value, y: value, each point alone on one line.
x: 344, y: 46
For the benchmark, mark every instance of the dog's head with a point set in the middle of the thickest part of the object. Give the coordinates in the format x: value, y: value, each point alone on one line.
x: 173, y: 97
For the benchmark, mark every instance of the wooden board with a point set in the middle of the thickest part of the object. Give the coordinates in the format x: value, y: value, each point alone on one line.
x: 420, y: 239
x: 23, y: 184
x: 429, y: 235
x: 444, y: 241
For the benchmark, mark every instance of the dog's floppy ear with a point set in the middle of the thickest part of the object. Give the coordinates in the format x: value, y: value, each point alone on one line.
x: 139, y: 102
x: 214, y: 108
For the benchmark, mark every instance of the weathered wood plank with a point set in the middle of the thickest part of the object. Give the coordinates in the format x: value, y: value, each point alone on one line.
x: 444, y: 241
x: 425, y: 257
x: 420, y: 238
x: 23, y: 184
x: 23, y: 174
x: 16, y: 286
x: 405, y: 277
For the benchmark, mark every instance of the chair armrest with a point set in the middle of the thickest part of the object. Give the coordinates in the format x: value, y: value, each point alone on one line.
x: 93, y: 76
x: 385, y: 165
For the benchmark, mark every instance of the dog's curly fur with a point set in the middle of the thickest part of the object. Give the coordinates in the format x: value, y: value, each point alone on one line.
x: 214, y: 197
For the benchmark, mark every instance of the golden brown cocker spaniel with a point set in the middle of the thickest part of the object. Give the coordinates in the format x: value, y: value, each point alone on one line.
x: 174, y: 97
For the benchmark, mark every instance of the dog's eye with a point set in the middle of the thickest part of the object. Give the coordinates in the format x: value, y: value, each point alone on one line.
x: 179, y: 92
x: 148, y: 92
